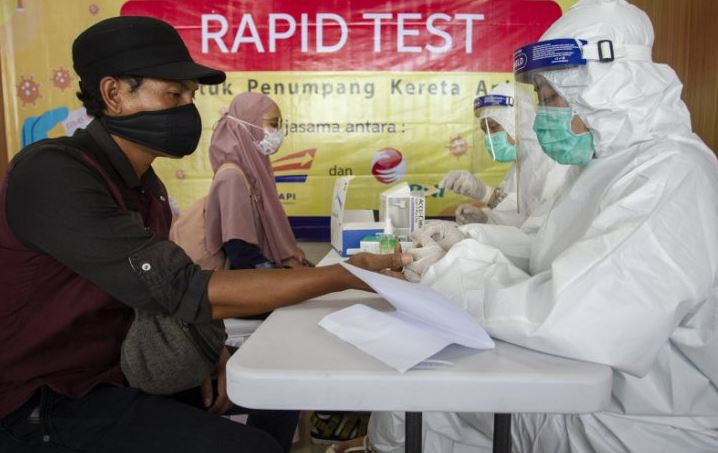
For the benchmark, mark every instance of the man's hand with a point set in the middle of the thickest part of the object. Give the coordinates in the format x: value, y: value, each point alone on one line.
x: 391, y: 265
x: 376, y: 263
x: 221, y: 403
x: 245, y: 292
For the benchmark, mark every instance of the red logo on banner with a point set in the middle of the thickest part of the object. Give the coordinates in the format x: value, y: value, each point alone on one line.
x: 388, y: 166
x: 412, y: 35
x: 301, y: 160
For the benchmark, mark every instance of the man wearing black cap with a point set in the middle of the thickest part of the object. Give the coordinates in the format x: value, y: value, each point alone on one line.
x: 83, y: 239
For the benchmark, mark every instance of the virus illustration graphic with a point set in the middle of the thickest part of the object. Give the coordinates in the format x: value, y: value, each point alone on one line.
x: 28, y: 90
x: 457, y: 146
x: 94, y: 9
x: 61, y: 78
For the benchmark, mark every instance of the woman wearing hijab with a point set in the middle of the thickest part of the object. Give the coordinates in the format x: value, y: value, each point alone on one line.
x: 244, y: 216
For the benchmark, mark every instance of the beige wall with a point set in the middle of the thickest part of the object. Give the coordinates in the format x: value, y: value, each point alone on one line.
x: 686, y: 33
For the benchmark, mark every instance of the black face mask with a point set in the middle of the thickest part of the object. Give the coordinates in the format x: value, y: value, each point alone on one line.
x: 172, y: 131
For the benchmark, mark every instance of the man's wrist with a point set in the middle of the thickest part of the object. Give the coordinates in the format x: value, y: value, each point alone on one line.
x: 341, y: 279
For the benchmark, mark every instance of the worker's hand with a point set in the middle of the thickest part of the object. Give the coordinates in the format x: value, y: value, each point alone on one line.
x: 467, y: 213
x: 466, y: 184
x: 220, y: 404
x: 423, y: 258
x: 443, y: 233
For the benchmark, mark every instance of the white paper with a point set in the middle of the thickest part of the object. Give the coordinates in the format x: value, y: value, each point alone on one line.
x: 424, y: 323
x: 399, y: 344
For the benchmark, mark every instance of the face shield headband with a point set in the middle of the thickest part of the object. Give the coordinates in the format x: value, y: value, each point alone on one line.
x: 563, y: 53
x: 493, y: 100
x: 553, y: 120
x: 495, y: 143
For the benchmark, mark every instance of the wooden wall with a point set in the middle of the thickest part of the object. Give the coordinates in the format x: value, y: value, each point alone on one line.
x: 3, y: 144
x: 686, y: 33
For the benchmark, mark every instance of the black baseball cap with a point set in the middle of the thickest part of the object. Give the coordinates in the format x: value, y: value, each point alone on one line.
x: 138, y: 46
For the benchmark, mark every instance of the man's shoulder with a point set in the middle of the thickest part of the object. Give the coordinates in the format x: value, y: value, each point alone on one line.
x: 51, y: 151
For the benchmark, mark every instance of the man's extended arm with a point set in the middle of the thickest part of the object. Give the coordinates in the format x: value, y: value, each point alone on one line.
x: 248, y: 292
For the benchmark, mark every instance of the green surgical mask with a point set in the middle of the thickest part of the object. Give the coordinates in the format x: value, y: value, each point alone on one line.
x: 499, y: 148
x: 553, y: 130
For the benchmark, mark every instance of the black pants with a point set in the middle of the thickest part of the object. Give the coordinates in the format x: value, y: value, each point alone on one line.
x: 279, y: 424
x: 125, y: 420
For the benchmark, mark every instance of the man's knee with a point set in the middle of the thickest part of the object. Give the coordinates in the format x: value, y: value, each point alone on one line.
x: 227, y: 436
x: 256, y: 442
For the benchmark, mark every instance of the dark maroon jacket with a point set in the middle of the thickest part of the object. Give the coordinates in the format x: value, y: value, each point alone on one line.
x: 75, y: 257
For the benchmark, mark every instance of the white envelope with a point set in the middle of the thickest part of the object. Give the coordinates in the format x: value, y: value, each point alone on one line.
x: 423, y: 324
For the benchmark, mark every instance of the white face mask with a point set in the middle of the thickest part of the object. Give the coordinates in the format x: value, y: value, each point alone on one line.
x: 271, y: 141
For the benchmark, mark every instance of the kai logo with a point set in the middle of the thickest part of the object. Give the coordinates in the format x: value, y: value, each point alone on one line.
x: 297, y: 163
x: 388, y: 165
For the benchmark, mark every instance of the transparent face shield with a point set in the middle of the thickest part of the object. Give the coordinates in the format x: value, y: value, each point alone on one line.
x: 551, y: 72
x: 493, y: 123
x: 495, y: 144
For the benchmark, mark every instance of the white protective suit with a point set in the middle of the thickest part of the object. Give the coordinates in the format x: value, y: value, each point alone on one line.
x: 623, y: 271
x: 537, y: 179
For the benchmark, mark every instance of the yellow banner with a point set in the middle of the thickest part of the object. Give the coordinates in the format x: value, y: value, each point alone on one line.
x: 341, y: 124
x: 382, y: 127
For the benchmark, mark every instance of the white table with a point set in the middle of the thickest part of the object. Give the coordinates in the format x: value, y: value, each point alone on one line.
x: 292, y: 363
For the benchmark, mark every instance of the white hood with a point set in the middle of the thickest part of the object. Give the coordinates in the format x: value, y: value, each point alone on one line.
x: 626, y: 101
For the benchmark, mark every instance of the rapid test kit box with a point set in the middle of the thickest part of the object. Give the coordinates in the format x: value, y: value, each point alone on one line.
x: 405, y: 209
x: 350, y: 226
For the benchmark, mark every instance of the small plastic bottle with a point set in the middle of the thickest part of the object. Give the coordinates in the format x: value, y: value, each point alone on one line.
x: 387, y: 241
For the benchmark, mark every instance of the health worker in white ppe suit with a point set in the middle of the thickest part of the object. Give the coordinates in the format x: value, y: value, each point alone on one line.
x: 623, y: 270
x: 523, y: 198
x: 527, y: 185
